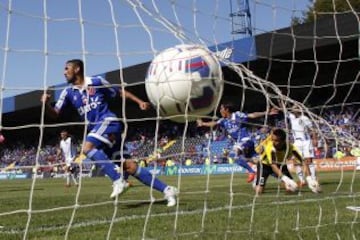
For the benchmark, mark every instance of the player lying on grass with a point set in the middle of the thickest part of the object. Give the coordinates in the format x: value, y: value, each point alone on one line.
x: 89, y: 96
x: 274, y: 153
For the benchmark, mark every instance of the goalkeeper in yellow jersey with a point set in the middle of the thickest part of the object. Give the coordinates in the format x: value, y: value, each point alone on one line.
x: 274, y: 153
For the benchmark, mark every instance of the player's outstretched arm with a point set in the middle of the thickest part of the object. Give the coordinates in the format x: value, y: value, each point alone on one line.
x: 128, y: 95
x: 276, y: 170
x: 201, y: 123
x: 49, y: 110
x: 272, y: 111
x: 290, y: 184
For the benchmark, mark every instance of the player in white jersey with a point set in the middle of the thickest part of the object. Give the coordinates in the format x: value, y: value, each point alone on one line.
x: 304, y: 138
x: 67, y: 153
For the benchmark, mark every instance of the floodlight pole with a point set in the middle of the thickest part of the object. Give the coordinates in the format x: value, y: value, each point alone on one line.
x: 240, y: 18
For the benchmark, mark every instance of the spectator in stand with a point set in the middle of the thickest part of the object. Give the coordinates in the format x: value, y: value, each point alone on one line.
x: 188, y: 162
x: 169, y: 162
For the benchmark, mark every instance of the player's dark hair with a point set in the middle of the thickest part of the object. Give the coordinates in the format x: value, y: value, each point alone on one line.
x: 230, y: 106
x: 78, y: 63
x: 279, y: 133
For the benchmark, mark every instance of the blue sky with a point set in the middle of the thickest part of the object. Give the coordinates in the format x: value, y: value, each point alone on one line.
x: 39, y: 48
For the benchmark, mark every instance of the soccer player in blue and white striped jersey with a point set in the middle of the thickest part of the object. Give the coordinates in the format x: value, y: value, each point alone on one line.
x: 89, y: 95
x: 232, y: 121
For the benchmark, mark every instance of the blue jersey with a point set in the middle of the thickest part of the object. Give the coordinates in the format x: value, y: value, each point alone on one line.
x: 233, y: 125
x: 90, y: 101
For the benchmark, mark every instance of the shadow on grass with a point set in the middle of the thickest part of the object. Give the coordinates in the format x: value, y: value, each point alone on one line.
x: 142, y: 203
x: 11, y: 189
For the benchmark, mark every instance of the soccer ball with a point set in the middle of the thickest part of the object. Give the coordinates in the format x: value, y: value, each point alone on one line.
x: 184, y: 82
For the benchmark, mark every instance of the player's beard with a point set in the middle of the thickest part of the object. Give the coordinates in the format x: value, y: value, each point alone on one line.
x: 71, y: 80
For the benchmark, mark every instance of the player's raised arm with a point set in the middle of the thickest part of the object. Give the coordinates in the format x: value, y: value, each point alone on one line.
x: 210, y: 124
x: 272, y: 111
x: 49, y: 110
x: 128, y: 95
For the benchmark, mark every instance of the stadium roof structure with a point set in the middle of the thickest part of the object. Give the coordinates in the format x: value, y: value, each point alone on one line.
x: 289, y: 56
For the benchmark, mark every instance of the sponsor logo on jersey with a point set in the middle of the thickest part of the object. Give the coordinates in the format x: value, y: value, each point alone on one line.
x: 93, y: 104
x: 91, y: 91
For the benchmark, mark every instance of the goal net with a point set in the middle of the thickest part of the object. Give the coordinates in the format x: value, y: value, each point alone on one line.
x: 296, y: 55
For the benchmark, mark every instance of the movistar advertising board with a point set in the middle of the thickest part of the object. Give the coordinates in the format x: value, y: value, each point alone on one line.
x: 6, y: 176
x: 198, y: 169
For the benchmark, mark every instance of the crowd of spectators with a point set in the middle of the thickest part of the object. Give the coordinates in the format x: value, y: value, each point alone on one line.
x: 23, y: 157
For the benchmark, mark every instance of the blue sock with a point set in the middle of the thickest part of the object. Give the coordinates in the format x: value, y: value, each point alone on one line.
x: 125, y: 175
x: 244, y: 164
x: 123, y: 172
x: 144, y: 176
x: 104, y: 163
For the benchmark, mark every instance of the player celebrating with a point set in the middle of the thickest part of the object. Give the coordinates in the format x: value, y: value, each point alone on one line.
x: 232, y: 121
x: 88, y: 95
x: 274, y: 153
x: 67, y: 152
x: 304, y: 140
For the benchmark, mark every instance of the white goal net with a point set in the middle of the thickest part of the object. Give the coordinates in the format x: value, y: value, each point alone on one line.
x: 278, y: 57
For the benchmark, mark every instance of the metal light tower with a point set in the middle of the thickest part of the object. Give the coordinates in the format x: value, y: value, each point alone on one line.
x: 240, y: 17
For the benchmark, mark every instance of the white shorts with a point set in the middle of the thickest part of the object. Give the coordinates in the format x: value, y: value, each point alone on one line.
x: 68, y: 162
x: 305, y: 148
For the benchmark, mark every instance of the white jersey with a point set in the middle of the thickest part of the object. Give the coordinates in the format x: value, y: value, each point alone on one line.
x: 301, y: 130
x: 300, y: 127
x: 67, y: 150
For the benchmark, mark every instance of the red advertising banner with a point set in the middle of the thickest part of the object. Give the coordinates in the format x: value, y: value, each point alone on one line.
x: 332, y: 164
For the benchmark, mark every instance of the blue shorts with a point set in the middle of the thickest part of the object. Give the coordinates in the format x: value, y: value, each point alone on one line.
x: 100, y: 132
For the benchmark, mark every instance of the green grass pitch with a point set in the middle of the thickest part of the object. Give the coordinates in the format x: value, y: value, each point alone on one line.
x: 210, y: 207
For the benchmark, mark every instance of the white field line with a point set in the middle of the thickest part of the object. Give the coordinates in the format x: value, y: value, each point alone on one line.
x: 8, y: 230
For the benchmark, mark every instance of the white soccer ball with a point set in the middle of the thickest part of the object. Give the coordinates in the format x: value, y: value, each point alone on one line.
x: 184, y: 80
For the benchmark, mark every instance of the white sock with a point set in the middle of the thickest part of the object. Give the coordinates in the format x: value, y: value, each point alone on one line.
x: 67, y: 178
x: 299, y: 173
x: 312, y: 171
